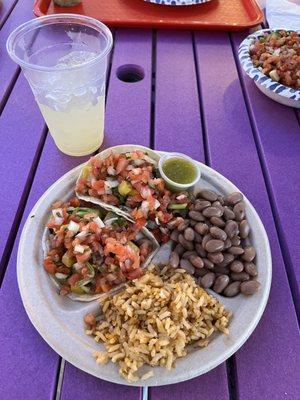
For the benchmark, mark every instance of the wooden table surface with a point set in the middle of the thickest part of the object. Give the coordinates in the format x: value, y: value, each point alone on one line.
x: 195, y: 99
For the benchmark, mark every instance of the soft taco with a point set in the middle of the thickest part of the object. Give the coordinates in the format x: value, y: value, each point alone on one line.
x: 126, y: 179
x: 90, y: 252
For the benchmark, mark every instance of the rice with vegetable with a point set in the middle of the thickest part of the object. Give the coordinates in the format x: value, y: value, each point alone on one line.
x: 153, y: 320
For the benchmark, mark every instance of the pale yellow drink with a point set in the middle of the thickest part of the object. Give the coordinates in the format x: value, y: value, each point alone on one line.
x: 64, y: 57
x: 78, y: 131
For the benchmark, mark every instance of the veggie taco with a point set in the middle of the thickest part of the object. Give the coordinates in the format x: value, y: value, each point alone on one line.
x: 89, y: 251
x: 126, y: 179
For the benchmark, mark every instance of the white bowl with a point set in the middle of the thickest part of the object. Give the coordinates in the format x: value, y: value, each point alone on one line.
x: 172, y: 184
x: 275, y: 90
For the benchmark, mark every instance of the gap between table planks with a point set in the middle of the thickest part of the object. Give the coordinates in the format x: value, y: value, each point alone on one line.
x: 117, y: 127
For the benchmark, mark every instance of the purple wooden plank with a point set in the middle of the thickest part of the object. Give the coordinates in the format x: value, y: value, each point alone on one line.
x: 5, y: 8
x: 128, y: 104
x: 177, y: 112
x: 21, y: 127
x: 21, y: 13
x: 28, y: 366
x: 282, y: 163
x: 267, y: 363
x: 178, y: 128
x: 127, y: 121
x: 79, y: 385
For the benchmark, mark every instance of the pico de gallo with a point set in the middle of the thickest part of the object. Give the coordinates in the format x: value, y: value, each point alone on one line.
x: 90, y: 252
x: 131, y: 181
x: 277, y: 55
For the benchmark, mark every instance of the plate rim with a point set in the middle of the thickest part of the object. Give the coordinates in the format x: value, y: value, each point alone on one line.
x: 172, y: 378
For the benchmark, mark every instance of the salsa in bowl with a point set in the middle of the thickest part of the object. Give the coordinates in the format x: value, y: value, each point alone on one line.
x: 272, y: 59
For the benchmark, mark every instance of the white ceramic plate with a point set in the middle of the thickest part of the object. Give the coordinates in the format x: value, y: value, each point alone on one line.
x: 177, y: 2
x: 59, y: 320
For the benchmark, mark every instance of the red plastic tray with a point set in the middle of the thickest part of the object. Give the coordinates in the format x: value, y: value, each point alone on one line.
x: 216, y: 14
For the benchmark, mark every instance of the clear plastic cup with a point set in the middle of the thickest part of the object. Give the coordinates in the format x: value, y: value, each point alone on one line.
x: 64, y: 58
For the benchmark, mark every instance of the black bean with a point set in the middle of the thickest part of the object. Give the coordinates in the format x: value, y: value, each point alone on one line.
x: 185, y: 243
x: 189, y: 234
x: 221, y: 270
x: 251, y: 269
x: 217, y: 221
x: 220, y: 283
x: 231, y: 228
x: 214, y: 245
x: 185, y: 264
x: 198, y: 238
x: 234, y: 198
x: 207, y: 263
x: 232, y: 289
x: 174, y: 236
x: 208, y: 280
x: 239, y: 211
x: 250, y: 287
x: 235, y: 241
x: 237, y: 266
x: 188, y: 253
x: 208, y: 195
x: 228, y: 258
x: 249, y: 253
x: 235, y: 250
x: 221, y: 200
x: 218, y: 233
x: 174, y: 260
x: 218, y: 205
x: 212, y: 212
x: 196, y: 261
x: 206, y: 238
x: 201, y: 228
x: 196, y: 215
x: 179, y: 249
x: 200, y: 251
x: 201, y: 204
x: 199, y: 272
x: 244, y: 229
x: 183, y: 225
x: 241, y: 276
x: 227, y: 244
x: 228, y: 213
x: 216, y: 258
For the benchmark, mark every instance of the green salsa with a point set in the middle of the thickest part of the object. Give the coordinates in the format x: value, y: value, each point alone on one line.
x: 180, y: 170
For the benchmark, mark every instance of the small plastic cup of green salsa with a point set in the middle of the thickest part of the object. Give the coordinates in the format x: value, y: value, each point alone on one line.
x: 179, y: 171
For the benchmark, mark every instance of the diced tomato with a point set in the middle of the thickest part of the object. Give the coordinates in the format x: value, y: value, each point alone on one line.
x: 74, y: 278
x: 49, y: 266
x: 122, y: 164
x: 136, y: 273
x: 82, y: 258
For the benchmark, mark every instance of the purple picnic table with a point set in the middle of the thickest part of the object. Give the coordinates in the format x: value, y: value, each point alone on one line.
x: 194, y: 98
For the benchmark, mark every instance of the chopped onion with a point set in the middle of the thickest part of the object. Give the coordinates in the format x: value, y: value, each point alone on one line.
x: 181, y: 197
x: 156, y: 204
x: 145, y: 207
x: 77, y: 266
x: 60, y: 276
x: 79, y: 249
x: 99, y: 222
x: 149, y: 160
x: 58, y: 216
x: 111, y: 170
x: 157, y: 221
x: 73, y: 226
x: 82, y: 234
x: 111, y: 183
